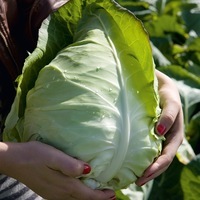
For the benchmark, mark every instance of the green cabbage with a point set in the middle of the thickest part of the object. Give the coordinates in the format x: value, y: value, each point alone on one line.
x: 89, y: 89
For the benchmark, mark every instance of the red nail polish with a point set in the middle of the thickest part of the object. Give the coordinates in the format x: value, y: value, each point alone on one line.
x: 86, y: 169
x: 161, y: 129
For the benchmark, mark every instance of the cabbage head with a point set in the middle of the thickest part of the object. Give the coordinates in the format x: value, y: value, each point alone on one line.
x: 89, y: 89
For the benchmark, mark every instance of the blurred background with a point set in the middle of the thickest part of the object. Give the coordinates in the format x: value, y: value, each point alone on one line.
x: 174, y: 32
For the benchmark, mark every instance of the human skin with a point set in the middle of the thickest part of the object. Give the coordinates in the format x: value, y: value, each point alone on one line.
x: 52, y: 174
x: 170, y: 124
x: 47, y: 171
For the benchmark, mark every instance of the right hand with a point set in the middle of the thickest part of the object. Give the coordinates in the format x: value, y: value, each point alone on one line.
x: 48, y: 171
x: 171, y: 126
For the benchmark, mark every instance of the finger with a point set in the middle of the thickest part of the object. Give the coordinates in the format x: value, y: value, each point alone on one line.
x: 95, y: 194
x: 71, y: 188
x: 170, y: 147
x: 154, y: 170
x: 159, y: 165
x: 66, y: 164
x: 168, y: 116
x: 174, y: 137
x: 86, y: 193
x: 169, y: 102
x: 104, y: 194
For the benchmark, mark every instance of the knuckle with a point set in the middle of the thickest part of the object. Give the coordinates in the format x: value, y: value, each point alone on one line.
x: 76, y: 169
x: 168, y: 159
x: 169, y: 117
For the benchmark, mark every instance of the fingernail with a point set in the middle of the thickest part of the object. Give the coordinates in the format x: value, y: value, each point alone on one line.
x: 161, y: 129
x: 86, y: 169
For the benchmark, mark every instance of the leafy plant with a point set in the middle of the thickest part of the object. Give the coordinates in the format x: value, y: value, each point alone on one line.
x: 174, y: 30
x: 94, y: 96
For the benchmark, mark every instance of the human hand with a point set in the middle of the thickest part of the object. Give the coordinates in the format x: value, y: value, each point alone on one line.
x: 170, y: 124
x: 48, y: 172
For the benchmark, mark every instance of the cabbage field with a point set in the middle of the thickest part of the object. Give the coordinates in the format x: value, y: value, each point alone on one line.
x: 174, y: 29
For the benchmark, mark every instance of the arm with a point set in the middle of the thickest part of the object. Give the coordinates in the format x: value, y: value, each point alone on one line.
x: 170, y: 124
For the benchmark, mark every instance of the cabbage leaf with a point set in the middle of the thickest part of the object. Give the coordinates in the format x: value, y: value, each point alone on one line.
x: 89, y: 89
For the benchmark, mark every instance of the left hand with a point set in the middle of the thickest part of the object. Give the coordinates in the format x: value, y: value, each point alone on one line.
x: 170, y: 124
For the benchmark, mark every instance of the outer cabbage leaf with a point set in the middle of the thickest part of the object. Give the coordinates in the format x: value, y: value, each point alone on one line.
x: 97, y: 99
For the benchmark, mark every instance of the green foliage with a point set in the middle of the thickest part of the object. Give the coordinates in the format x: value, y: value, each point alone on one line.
x: 190, y: 179
x: 167, y: 186
x: 93, y: 94
x: 174, y: 29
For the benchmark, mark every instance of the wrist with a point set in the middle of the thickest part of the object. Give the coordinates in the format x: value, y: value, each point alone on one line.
x: 10, y: 157
x: 3, y: 155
